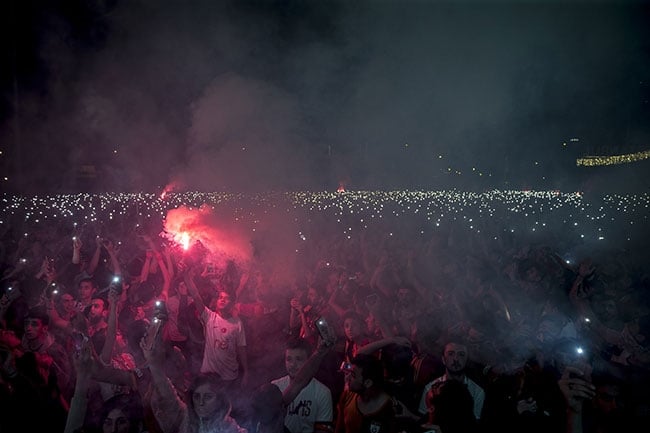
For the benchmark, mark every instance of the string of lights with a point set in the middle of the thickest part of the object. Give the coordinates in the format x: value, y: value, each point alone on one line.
x: 592, y: 161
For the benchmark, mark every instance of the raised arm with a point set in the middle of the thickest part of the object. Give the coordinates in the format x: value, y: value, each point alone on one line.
x: 193, y: 290
x: 111, y: 330
x: 576, y: 387
x: 376, y: 308
x: 307, y: 372
x: 6, y: 300
x: 242, y: 356
x: 146, y: 265
x: 165, y: 273
x: 168, y: 408
x: 170, y: 263
x: 579, y: 296
x: 79, y: 402
x: 76, y: 250
x: 373, y: 347
x: 55, y: 318
x: 338, y: 309
x: 297, y: 317
x: 94, y: 260
x: 111, y: 249
x: 242, y: 283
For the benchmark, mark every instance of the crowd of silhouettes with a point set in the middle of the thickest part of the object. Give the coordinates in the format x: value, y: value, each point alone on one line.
x: 116, y: 332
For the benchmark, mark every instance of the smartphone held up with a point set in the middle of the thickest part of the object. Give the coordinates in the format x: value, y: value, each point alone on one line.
x: 325, y: 330
x: 157, y: 321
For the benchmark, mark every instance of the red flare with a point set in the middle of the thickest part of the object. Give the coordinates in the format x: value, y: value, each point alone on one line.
x: 185, y: 241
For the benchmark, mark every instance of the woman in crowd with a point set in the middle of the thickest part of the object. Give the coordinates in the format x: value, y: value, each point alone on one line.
x: 206, y: 408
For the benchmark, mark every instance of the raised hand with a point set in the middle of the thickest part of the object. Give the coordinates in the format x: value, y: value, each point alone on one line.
x: 76, y: 243
x: 151, y: 346
x: 586, y: 268
x: 296, y: 304
x: 576, y: 387
x: 83, y: 356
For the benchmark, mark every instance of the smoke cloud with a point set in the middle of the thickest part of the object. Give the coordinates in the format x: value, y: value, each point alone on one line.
x: 298, y: 95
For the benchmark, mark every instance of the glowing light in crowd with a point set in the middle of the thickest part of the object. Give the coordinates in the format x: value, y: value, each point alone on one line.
x: 591, y: 161
x: 185, y: 241
x: 221, y: 239
x: 494, y: 213
x: 170, y: 187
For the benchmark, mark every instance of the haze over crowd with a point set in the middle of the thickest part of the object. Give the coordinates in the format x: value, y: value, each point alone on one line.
x: 412, y: 162
x: 298, y: 95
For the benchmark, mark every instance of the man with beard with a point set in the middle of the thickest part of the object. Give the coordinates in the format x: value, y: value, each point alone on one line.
x: 364, y: 406
x: 454, y: 358
x: 96, y: 313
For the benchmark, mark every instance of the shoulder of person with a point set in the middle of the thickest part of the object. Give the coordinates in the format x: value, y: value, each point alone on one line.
x: 472, y: 383
x: 439, y: 379
x: 346, y: 397
x: 281, y: 381
x: 319, y: 384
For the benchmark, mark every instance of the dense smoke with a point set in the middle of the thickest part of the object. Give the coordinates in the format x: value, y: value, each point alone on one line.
x: 260, y: 96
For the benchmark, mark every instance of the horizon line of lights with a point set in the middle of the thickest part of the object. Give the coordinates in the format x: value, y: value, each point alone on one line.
x: 488, y: 213
x: 592, y: 161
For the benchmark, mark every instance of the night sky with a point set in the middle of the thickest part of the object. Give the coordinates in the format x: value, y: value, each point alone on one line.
x: 246, y: 95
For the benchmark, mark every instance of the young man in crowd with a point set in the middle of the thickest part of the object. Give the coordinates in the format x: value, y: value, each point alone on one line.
x: 50, y: 355
x: 87, y: 288
x: 224, y: 351
x: 311, y: 410
x: 364, y: 406
x: 454, y: 358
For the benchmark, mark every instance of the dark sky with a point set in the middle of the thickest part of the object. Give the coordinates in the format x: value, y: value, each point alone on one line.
x: 246, y: 95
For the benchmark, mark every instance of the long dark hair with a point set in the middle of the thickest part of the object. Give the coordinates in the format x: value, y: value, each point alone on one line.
x: 130, y: 405
x: 218, y: 387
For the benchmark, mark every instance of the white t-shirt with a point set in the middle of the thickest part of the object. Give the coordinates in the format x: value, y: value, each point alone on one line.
x: 222, y: 336
x: 312, y: 405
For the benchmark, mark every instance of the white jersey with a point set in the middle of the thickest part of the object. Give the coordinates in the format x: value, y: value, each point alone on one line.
x: 312, y: 405
x: 222, y: 337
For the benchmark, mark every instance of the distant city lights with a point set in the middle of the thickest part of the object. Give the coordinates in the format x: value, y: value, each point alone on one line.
x: 590, y: 161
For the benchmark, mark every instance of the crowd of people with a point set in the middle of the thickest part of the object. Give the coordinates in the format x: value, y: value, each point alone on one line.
x: 118, y: 332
